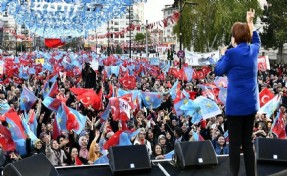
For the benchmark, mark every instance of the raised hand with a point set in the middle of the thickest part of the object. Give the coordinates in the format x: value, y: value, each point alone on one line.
x: 250, y: 15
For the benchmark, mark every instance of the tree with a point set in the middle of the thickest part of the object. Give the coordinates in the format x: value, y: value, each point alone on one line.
x: 274, y: 18
x: 139, y: 38
x: 207, y: 25
x: 119, y: 49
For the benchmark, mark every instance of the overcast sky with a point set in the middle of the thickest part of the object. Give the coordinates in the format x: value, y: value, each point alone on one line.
x: 153, y: 9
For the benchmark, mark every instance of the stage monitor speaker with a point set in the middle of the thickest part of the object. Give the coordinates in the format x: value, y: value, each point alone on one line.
x: 129, y: 159
x: 271, y: 150
x: 32, y: 166
x: 195, y: 153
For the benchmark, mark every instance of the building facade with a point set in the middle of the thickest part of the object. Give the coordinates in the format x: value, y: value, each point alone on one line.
x: 169, y: 38
x: 134, y: 15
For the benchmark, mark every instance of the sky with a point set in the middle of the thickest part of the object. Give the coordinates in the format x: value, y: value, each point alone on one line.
x: 153, y: 9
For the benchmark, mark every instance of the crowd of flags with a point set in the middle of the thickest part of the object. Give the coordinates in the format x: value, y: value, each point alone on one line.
x: 123, y: 103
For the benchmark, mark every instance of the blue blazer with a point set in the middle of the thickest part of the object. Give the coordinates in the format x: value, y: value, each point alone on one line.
x: 240, y: 64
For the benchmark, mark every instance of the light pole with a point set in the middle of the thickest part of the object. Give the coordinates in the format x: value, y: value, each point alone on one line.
x: 109, y: 28
x: 181, y: 7
x: 97, y: 41
x: 146, y: 42
x: 130, y: 45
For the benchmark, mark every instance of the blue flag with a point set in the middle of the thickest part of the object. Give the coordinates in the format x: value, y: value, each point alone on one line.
x: 208, y: 108
x: 102, y: 160
x: 17, y: 136
x: 173, y: 90
x: 124, y: 139
x: 151, y: 99
x: 27, y: 99
x: 28, y: 130
x: 4, y: 107
x: 169, y: 155
x: 61, y: 119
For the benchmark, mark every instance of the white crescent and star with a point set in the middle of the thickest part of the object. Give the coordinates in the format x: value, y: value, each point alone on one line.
x: 263, y: 98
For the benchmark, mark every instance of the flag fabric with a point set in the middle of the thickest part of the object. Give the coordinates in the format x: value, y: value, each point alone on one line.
x: 222, y: 95
x: 28, y: 131
x: 188, y: 73
x: 56, y: 131
x: 174, y: 89
x: 278, y: 126
x: 75, y: 121
x: 151, y: 99
x: 270, y: 107
x: 32, y: 121
x: 27, y: 99
x: 90, y: 97
x: 4, y: 107
x: 115, y: 70
x: 264, y: 96
x: 52, y: 103
x: 189, y: 107
x: 221, y: 81
x: 169, y: 155
x: 208, y: 108
x: 125, y: 104
x: 102, y: 160
x: 54, y: 42
x: 78, y: 162
x: 54, y: 91
x: 113, y: 140
x: 197, y: 137
x: 106, y: 113
x: 6, y: 139
x: 17, y: 132
x: 124, y: 139
x: 226, y: 136
x: 61, y: 119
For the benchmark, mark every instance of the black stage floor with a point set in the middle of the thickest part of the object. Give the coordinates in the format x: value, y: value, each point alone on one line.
x: 219, y: 170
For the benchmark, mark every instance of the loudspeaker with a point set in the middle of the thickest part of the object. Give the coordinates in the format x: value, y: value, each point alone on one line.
x: 32, y: 166
x: 271, y: 150
x: 195, y: 153
x: 127, y: 159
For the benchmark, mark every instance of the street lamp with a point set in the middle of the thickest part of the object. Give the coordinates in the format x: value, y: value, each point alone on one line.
x: 130, y: 46
x: 108, y: 49
x: 181, y: 7
x: 97, y: 41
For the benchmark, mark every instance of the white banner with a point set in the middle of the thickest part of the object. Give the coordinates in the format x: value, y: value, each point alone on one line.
x: 200, y: 59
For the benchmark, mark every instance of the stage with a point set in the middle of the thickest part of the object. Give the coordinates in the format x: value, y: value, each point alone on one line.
x: 162, y: 168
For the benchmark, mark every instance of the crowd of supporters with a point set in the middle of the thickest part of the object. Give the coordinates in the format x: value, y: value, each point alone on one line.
x: 159, y: 129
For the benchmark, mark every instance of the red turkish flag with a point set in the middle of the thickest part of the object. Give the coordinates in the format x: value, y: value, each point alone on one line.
x: 279, y: 126
x: 53, y: 43
x: 264, y: 96
x: 198, y: 74
x: 90, y: 98
x: 128, y: 82
x: 72, y: 122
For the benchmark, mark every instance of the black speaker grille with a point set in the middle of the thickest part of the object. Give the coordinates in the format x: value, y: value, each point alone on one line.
x: 195, y: 153
x: 128, y: 158
x: 271, y: 150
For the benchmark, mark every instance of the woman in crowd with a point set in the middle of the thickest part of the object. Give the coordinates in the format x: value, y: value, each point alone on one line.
x: 94, y: 152
x: 54, y: 153
x: 157, y: 153
x: 141, y: 140
x: 220, y: 147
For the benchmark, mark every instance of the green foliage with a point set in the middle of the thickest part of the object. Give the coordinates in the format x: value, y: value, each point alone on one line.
x: 139, y: 37
x: 119, y: 50
x: 207, y: 25
x: 275, y: 25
